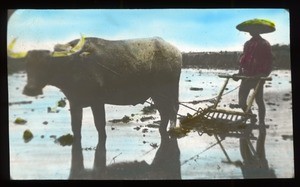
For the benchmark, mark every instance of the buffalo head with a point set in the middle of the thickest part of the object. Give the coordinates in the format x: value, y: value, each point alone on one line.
x: 37, y: 64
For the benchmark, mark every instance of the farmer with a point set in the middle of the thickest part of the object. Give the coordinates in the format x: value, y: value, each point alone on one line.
x: 255, y: 61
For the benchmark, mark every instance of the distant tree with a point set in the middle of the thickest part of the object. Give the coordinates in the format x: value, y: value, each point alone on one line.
x: 229, y: 60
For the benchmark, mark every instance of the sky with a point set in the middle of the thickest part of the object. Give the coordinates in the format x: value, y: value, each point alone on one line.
x: 190, y: 30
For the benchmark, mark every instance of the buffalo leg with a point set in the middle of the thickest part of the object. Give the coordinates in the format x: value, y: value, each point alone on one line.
x: 77, y: 157
x: 166, y: 163
x: 164, y: 111
x: 164, y: 123
x: 173, y: 115
x: 100, y: 154
x: 167, y: 104
x: 174, y: 104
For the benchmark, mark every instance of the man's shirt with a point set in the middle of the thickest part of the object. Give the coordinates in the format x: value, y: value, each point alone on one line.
x: 256, y: 58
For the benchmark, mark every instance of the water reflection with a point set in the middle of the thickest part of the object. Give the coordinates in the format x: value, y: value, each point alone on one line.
x: 255, y: 164
x: 165, y: 165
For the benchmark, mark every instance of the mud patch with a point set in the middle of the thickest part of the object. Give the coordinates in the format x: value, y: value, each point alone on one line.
x: 137, y: 128
x: 27, y: 136
x: 52, y: 110
x: 20, y: 121
x: 271, y: 104
x: 154, y: 145
x: 125, y: 119
x: 196, y: 89
x: 53, y: 136
x: 178, y: 132
x: 147, y: 118
x: 89, y: 149
x: 287, y: 97
x: 65, y: 140
x: 152, y: 126
x: 61, y: 103
x: 20, y: 103
x: 287, y: 137
x: 149, y: 110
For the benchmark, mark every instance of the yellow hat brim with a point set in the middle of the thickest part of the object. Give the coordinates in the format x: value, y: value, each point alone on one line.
x: 259, y: 26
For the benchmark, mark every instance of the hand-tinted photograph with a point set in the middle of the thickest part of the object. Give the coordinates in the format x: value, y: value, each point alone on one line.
x: 142, y: 94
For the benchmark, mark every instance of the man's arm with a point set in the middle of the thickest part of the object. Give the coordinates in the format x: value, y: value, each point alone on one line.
x: 266, y: 59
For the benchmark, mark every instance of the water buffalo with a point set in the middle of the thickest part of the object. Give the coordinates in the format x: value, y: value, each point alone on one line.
x: 92, y: 72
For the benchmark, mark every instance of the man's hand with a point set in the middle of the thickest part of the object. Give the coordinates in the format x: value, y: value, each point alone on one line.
x: 234, y: 77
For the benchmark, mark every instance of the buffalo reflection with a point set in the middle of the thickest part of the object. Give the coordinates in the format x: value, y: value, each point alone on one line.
x: 165, y: 165
x: 255, y: 164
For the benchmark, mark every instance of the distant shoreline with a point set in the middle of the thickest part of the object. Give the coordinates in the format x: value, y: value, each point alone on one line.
x: 229, y: 59
x: 203, y: 60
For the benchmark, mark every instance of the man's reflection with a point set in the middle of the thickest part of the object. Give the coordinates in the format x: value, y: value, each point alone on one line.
x: 165, y: 165
x: 255, y: 164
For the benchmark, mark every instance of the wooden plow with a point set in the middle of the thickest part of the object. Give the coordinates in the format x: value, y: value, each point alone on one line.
x: 222, y: 123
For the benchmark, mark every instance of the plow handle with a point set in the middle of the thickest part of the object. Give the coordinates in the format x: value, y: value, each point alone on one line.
x: 245, y: 77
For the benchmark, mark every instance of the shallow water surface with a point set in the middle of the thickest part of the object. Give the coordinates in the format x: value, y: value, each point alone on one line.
x: 136, y: 145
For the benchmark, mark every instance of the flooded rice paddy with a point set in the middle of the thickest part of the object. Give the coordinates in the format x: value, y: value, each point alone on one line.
x: 134, y: 149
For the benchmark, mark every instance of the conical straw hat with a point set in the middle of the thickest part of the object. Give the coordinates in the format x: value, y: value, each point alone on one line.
x: 259, y: 26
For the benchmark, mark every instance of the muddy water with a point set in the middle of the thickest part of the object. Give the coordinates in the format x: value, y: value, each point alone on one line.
x: 135, y: 148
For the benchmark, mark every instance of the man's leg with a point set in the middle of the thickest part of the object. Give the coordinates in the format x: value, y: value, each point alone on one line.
x: 245, y: 87
x: 243, y: 94
x: 261, y: 104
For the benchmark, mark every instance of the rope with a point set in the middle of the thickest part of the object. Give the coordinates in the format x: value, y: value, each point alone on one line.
x: 196, y: 110
x: 231, y: 90
x: 204, y: 100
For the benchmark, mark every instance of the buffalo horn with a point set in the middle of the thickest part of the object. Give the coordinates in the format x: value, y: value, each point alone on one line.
x: 12, y: 54
x: 75, y: 49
